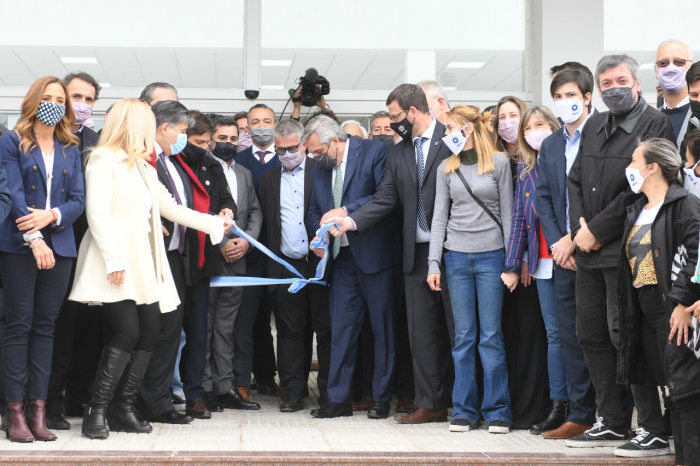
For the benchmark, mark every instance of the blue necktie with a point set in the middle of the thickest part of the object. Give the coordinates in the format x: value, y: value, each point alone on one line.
x: 420, y: 170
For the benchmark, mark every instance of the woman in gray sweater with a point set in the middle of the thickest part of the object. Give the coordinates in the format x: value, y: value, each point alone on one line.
x: 475, y: 241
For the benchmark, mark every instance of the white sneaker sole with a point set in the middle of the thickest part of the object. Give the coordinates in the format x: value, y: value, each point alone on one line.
x: 499, y: 430
x: 642, y: 453
x: 594, y: 443
x: 454, y: 428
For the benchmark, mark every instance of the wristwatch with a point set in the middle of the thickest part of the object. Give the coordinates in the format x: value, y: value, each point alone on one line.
x: 345, y: 209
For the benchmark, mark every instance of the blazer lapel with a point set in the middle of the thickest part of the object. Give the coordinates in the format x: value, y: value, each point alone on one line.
x: 409, y: 155
x: 39, y: 160
x: 308, y: 183
x: 351, y: 162
x: 434, y: 148
x: 276, y: 193
x: 240, y: 185
x: 561, y: 165
x: 59, y: 162
x: 163, y: 176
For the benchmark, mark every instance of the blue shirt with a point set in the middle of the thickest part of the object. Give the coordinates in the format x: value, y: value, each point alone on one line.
x: 571, y: 151
x: 294, y: 237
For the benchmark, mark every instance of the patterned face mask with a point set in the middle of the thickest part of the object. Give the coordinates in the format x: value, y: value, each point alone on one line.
x: 50, y: 113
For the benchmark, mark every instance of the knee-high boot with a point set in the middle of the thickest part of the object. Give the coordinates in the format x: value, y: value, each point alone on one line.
x: 121, y: 414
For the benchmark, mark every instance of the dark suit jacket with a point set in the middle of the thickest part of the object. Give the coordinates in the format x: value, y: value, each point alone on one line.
x: 269, y: 195
x: 5, y: 198
x: 88, y: 139
x: 400, y: 187
x: 26, y: 178
x: 378, y: 247
x: 550, y: 187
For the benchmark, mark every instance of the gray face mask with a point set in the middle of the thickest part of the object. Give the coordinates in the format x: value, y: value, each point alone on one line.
x: 262, y: 137
x: 618, y: 99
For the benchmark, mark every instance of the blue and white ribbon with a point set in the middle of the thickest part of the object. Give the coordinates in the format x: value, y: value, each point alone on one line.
x: 296, y: 284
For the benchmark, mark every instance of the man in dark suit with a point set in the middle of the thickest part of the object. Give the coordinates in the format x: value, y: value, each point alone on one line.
x: 571, y: 90
x: 285, y: 193
x: 365, y: 271
x: 154, y: 400
x: 75, y: 359
x: 409, y: 181
x: 254, y: 314
x: 210, y: 194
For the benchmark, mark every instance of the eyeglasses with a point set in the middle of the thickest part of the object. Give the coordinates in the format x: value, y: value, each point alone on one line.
x: 676, y: 61
x: 396, y: 117
x: 283, y: 150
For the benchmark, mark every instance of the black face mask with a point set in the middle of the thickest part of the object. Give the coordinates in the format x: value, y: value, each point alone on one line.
x: 225, y: 150
x: 193, y: 153
x: 695, y: 108
x: 385, y: 138
x: 326, y: 161
x: 403, y: 128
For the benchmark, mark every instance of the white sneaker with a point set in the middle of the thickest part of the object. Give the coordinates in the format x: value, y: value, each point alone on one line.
x: 498, y: 427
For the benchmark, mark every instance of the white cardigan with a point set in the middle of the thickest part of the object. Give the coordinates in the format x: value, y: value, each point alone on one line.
x: 117, y: 229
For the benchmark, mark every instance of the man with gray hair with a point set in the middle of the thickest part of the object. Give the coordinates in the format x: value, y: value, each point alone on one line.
x: 154, y: 401
x: 599, y: 194
x: 380, y: 128
x: 437, y: 99
x: 158, y: 92
x: 365, y: 272
x: 354, y: 128
x: 673, y: 58
x: 285, y: 193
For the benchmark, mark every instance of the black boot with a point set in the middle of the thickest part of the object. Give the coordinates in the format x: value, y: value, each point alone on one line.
x: 109, y: 372
x: 560, y: 411
x: 121, y: 414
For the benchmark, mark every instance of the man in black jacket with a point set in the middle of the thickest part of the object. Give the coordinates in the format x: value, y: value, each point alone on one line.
x: 599, y: 195
x: 75, y: 359
x: 202, y: 262
x: 430, y: 320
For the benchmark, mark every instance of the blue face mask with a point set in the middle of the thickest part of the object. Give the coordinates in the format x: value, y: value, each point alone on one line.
x: 180, y: 144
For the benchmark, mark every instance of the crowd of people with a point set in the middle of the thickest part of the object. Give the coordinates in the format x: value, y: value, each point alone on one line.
x: 524, y: 270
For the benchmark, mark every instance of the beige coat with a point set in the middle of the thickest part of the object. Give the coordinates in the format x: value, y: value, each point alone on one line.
x: 118, y: 229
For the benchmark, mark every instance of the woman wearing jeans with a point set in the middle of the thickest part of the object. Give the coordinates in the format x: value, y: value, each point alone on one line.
x: 527, y: 247
x: 475, y: 238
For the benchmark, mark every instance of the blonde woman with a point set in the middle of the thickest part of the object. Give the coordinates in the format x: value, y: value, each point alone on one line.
x: 528, y: 254
x: 473, y: 225
x: 122, y: 263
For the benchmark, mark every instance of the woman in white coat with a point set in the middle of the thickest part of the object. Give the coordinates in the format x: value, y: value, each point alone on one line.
x: 122, y: 263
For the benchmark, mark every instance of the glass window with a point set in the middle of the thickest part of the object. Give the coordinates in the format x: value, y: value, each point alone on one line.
x: 126, y: 44
x: 471, y: 44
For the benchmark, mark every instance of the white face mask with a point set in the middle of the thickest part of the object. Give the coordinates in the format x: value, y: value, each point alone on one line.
x: 692, y: 176
x: 635, y: 178
x: 456, y: 141
x: 569, y: 110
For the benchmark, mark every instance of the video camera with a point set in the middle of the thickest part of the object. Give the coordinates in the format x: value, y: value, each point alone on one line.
x: 309, y: 91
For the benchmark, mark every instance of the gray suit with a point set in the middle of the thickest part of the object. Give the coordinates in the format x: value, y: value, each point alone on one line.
x: 222, y: 340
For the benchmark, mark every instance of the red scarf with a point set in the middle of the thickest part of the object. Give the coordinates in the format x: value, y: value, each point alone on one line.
x: 201, y: 204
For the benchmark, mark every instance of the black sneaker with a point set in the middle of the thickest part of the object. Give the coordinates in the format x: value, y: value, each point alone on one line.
x: 644, y: 444
x: 599, y: 436
x: 460, y: 425
x: 179, y: 401
x: 498, y: 427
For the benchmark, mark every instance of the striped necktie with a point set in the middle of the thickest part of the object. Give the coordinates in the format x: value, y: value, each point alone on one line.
x: 337, y: 201
x: 420, y: 171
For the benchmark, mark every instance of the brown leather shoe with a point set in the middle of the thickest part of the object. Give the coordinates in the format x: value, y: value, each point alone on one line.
x: 363, y: 405
x: 198, y: 409
x: 244, y: 392
x: 281, y: 393
x: 421, y: 416
x: 405, y: 405
x: 566, y: 431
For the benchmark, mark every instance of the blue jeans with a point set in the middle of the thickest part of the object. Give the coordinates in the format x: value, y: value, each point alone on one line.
x: 472, y: 276
x: 555, y: 362
x: 176, y: 385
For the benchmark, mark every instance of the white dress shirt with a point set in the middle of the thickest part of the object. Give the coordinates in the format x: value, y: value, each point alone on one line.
x: 270, y: 149
x: 343, y: 166
x: 230, y: 173
x: 683, y: 102
x: 180, y: 187
x: 424, y: 236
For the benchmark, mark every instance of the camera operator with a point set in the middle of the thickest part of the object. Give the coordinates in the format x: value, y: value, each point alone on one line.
x: 296, y: 100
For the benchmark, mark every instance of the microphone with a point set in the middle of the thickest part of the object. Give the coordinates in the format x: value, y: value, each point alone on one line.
x: 311, y: 75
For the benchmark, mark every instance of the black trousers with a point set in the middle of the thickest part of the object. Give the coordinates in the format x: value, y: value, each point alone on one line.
x: 685, y: 412
x: 155, y: 397
x: 431, y: 332
x: 75, y: 359
x: 291, y: 319
x: 256, y: 304
x: 525, y: 341
x: 33, y: 299
x: 134, y: 327
x: 597, y: 325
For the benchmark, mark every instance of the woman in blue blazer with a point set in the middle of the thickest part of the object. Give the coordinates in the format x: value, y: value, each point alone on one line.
x: 37, y: 248
x: 527, y: 244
